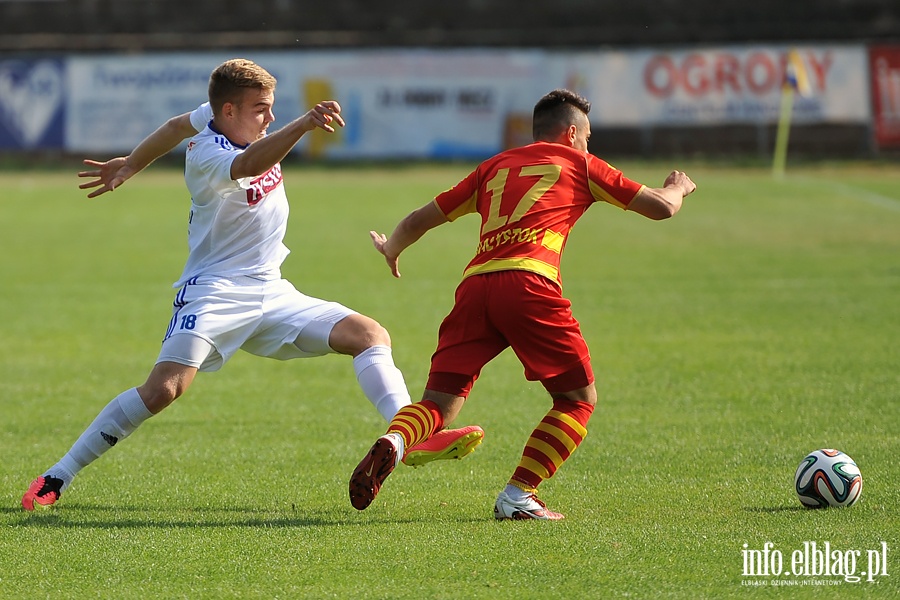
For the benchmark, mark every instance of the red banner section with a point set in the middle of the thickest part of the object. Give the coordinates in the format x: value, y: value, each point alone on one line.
x: 884, y: 64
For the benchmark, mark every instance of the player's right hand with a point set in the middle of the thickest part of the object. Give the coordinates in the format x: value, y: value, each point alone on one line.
x: 107, y: 175
x: 379, y: 240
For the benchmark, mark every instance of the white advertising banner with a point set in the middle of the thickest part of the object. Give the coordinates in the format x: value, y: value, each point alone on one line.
x: 115, y: 101
x: 425, y: 103
x: 716, y: 86
x: 465, y: 103
x: 396, y: 103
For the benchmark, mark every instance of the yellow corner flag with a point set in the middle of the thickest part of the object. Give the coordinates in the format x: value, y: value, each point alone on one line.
x: 795, y: 80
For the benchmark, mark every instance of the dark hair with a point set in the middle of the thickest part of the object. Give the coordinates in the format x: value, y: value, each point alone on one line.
x: 556, y: 111
x: 229, y: 80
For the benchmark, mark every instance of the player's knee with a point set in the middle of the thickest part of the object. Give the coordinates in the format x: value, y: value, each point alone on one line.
x: 587, y: 395
x: 159, y: 395
x: 372, y: 335
x: 358, y: 333
x: 575, y: 385
x: 377, y: 335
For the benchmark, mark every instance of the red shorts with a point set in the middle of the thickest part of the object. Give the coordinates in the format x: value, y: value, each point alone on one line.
x: 514, y: 308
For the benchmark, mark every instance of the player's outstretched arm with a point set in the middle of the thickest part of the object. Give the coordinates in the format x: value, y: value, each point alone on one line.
x: 107, y: 176
x: 264, y: 154
x: 662, y: 203
x: 408, y: 231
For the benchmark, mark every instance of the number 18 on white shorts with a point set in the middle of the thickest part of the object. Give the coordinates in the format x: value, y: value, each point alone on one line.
x: 214, y: 317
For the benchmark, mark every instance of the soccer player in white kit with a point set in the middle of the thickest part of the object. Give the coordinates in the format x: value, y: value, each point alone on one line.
x: 231, y: 294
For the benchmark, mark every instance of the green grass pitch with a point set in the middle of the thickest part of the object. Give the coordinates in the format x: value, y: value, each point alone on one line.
x: 761, y: 323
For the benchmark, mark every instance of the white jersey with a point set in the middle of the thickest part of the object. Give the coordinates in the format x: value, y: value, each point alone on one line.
x: 236, y: 227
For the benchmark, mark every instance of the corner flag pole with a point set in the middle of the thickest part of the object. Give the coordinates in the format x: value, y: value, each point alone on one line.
x: 795, y: 79
x: 784, y: 130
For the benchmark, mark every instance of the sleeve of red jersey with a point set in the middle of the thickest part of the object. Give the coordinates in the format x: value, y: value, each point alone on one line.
x: 609, y: 184
x: 460, y: 199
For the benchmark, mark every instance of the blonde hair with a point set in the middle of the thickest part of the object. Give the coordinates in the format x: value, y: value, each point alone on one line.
x: 229, y: 80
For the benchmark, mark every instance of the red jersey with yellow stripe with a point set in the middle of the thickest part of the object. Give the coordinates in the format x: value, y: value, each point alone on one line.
x: 529, y: 198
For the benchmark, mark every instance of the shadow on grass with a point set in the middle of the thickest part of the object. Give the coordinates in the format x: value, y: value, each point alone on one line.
x: 87, y: 516
x: 775, y: 509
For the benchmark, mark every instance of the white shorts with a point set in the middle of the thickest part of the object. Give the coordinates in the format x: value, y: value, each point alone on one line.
x: 215, y: 317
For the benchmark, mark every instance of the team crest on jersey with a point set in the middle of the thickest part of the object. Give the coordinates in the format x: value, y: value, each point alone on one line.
x: 264, y: 184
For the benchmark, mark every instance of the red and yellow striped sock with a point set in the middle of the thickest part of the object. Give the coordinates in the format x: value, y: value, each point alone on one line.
x: 551, y: 443
x: 417, y: 422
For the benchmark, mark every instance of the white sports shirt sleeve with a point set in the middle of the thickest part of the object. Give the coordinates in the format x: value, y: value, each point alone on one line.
x: 201, y: 115
x: 235, y: 227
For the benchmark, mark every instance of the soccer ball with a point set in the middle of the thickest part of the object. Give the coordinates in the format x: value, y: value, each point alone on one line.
x: 828, y: 478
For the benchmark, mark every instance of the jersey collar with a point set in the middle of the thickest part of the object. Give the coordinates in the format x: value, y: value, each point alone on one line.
x: 232, y: 142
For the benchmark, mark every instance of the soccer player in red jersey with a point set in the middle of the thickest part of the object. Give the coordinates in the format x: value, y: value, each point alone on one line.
x: 528, y: 199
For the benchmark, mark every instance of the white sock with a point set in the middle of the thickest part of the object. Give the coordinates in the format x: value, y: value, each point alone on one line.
x: 114, y: 423
x: 399, y: 444
x: 516, y: 494
x: 381, y: 381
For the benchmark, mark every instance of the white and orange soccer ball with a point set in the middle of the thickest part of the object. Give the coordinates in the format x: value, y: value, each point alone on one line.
x: 826, y: 478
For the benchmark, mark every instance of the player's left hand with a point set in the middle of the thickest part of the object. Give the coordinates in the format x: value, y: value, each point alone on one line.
x: 680, y: 179
x: 323, y: 114
x: 379, y: 240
